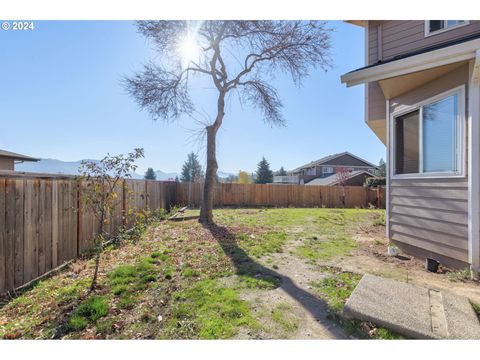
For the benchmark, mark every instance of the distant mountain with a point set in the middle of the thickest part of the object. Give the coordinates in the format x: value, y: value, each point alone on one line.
x: 51, y: 166
x: 166, y: 176
x: 54, y: 166
x: 223, y: 174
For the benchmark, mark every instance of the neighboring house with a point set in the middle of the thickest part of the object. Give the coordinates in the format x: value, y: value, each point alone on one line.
x: 422, y: 86
x: 8, y: 159
x: 325, y: 167
x: 354, y: 178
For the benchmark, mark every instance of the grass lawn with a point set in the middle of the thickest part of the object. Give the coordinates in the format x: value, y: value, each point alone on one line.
x: 178, y: 280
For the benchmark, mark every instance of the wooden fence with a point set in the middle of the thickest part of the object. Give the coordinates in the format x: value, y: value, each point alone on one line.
x: 43, y: 223
x: 281, y: 195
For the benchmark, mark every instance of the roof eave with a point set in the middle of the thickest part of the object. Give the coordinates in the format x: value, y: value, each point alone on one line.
x: 362, y: 23
x: 19, y: 158
x: 415, y: 63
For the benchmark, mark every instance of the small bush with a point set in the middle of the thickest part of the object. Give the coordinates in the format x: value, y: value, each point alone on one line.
x: 376, y: 181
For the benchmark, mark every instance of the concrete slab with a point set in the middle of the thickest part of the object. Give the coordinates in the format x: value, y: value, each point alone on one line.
x: 412, y: 311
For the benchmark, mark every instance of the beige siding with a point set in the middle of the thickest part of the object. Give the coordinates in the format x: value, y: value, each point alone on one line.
x: 6, y: 164
x: 399, y: 37
x: 376, y: 102
x: 431, y: 214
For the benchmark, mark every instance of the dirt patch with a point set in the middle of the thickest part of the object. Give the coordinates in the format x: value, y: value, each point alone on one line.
x: 308, y: 312
x: 371, y: 257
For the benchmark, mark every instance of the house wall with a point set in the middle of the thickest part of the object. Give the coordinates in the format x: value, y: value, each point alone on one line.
x: 6, y: 164
x: 391, y: 38
x: 346, y: 160
x: 358, y: 180
x: 429, y: 217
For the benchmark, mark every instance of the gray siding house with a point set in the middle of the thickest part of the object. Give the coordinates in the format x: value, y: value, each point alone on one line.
x: 422, y: 100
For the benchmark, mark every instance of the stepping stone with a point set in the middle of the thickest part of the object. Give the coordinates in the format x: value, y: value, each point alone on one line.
x: 412, y: 311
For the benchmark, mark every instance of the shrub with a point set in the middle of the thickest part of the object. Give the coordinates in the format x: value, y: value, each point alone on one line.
x: 376, y: 181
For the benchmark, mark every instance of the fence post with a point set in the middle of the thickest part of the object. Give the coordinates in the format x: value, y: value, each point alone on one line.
x: 379, y: 202
x: 367, y: 196
x: 124, y: 204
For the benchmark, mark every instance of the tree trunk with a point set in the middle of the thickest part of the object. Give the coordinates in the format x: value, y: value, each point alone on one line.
x: 206, y: 211
x: 98, y: 249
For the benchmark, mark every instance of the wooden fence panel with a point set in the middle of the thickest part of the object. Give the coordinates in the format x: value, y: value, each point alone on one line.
x: 30, y: 235
x: 18, y: 231
x: 9, y: 233
x: 2, y: 234
x: 281, y: 195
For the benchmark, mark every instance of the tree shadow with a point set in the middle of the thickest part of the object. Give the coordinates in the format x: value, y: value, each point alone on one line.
x: 245, y: 265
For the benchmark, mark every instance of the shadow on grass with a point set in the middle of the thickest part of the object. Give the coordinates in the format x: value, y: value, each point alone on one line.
x: 245, y: 265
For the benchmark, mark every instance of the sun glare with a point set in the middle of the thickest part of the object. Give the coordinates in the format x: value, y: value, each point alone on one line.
x: 189, y: 50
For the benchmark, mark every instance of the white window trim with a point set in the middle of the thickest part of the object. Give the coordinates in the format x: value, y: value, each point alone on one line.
x: 461, y: 144
x: 428, y: 33
x: 329, y: 172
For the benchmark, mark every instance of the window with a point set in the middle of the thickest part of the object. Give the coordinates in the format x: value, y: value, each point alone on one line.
x: 350, y: 169
x: 310, y: 171
x: 428, y: 139
x: 435, y: 26
x: 327, y: 170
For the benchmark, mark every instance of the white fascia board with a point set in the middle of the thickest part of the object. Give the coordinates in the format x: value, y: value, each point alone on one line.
x: 431, y: 59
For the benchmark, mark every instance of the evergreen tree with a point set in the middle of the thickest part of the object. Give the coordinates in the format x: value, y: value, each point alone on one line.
x: 281, y: 172
x: 191, y: 169
x: 264, y: 174
x: 150, y: 174
x: 382, y: 168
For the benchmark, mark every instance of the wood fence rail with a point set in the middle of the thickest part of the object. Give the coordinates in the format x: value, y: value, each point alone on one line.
x: 43, y: 223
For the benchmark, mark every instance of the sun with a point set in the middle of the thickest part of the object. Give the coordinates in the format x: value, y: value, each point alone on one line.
x: 189, y: 49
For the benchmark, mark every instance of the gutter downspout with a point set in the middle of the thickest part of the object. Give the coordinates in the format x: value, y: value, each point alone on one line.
x: 474, y: 166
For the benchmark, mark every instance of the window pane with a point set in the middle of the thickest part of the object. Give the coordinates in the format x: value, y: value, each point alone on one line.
x: 439, y: 135
x: 454, y: 22
x: 406, y: 141
x: 436, y: 25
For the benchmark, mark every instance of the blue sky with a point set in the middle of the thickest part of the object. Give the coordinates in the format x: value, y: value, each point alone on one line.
x: 61, y: 97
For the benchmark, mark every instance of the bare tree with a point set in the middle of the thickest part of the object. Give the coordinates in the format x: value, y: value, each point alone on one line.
x: 240, y: 57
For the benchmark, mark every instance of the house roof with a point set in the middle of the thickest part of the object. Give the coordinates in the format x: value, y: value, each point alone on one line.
x: 329, y: 158
x: 16, y: 156
x: 333, y: 179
